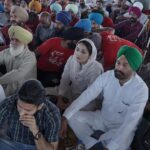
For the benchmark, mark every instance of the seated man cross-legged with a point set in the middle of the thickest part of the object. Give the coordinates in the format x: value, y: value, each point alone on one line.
x: 124, y: 98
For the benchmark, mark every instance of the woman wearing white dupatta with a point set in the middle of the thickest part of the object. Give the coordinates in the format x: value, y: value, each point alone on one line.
x: 79, y: 73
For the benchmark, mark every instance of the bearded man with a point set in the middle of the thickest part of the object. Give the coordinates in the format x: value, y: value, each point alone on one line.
x: 18, y: 16
x: 19, y: 61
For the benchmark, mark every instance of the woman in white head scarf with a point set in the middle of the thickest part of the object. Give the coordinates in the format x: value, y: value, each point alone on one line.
x: 80, y: 71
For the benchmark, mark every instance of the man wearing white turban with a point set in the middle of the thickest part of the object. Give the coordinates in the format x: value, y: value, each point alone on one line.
x: 19, y: 61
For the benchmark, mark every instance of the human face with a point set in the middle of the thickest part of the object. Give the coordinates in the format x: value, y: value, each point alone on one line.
x: 15, y: 42
x: 99, y: 3
x: 16, y: 47
x: 59, y: 26
x: 44, y: 21
x: 133, y: 17
x: 7, y: 5
x: 123, y: 71
x: 14, y: 19
x: 95, y: 26
x: 26, y: 109
x: 23, y: 4
x: 43, y: 2
x: 81, y: 53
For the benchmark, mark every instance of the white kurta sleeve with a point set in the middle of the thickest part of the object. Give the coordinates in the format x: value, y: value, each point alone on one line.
x: 87, y: 96
x: 65, y: 79
x: 123, y: 137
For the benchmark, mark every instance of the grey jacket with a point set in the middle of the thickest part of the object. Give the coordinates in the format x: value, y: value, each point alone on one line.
x: 19, y: 69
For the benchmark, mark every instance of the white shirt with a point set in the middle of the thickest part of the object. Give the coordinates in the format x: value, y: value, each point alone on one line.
x: 121, y: 110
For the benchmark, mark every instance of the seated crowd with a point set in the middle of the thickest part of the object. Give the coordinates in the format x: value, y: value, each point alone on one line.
x: 72, y: 66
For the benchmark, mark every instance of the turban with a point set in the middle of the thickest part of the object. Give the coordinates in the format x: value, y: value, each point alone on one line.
x: 139, y: 5
x: 72, y: 7
x: 20, y: 12
x: 85, y: 24
x: 135, y: 10
x: 97, y: 17
x: 56, y: 7
x: 64, y: 17
x: 35, y: 5
x: 73, y: 33
x: 132, y: 55
x: 20, y: 34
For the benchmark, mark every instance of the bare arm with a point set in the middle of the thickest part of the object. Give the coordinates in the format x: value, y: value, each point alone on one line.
x: 42, y: 144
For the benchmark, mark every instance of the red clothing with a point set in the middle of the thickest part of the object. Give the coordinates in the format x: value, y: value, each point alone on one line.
x: 107, y: 22
x: 110, y: 46
x: 47, y: 9
x: 33, y: 21
x: 53, y: 55
x: 74, y: 21
x: 4, y: 31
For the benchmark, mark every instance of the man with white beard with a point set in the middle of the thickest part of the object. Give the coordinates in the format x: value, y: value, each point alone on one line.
x: 19, y: 61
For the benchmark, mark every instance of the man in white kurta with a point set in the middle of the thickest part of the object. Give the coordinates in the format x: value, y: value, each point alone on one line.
x: 125, y: 96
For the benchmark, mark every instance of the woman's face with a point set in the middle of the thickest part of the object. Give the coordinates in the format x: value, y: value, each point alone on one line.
x: 81, y: 53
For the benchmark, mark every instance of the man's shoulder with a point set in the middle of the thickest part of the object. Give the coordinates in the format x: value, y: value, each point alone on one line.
x: 139, y: 80
x: 54, y: 39
x: 27, y: 54
x: 9, y: 101
x: 50, y: 108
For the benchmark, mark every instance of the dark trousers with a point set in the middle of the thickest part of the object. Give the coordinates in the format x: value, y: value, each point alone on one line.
x: 48, y: 79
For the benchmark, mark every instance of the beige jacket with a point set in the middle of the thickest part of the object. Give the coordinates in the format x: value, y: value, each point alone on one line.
x: 19, y: 69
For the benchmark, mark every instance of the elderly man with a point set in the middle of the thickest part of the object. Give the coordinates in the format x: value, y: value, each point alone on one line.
x: 18, y: 16
x: 29, y: 121
x: 19, y: 61
x: 125, y: 95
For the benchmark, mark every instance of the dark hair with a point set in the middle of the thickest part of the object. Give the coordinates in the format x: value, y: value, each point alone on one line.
x: 32, y: 92
x: 73, y: 33
x: 87, y: 45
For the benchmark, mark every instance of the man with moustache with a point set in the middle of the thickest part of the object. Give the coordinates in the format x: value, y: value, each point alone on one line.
x: 29, y: 121
x: 20, y: 62
x: 62, y: 21
x: 18, y: 16
x: 130, y: 28
x: 124, y: 98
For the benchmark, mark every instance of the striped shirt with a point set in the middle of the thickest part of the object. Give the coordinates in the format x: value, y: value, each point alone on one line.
x: 47, y: 119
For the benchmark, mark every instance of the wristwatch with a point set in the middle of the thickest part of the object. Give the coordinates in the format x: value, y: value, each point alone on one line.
x: 37, y: 135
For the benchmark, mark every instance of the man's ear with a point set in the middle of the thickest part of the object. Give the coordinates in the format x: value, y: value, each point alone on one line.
x: 40, y: 106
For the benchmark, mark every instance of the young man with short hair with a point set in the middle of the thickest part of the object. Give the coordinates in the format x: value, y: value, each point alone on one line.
x: 29, y: 120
